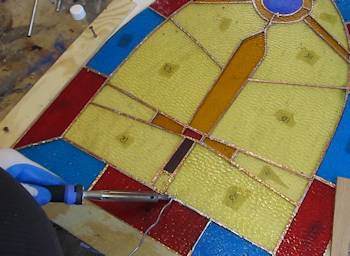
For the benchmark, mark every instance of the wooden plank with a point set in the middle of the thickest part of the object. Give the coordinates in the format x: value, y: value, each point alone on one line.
x: 103, y: 231
x: 14, y: 125
x: 341, y: 224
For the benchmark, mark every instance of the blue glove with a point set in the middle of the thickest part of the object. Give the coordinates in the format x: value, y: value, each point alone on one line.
x: 30, y: 174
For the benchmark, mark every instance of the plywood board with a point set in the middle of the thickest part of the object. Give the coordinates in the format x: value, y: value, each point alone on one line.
x: 341, y: 224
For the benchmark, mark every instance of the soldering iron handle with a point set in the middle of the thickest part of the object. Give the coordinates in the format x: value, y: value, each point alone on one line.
x: 68, y: 194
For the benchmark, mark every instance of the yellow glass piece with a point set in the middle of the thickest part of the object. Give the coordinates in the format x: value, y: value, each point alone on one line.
x: 230, y: 82
x: 326, y: 14
x: 169, y: 72
x: 123, y: 142
x: 295, y: 54
x: 318, y: 29
x: 214, y: 187
x: 163, y: 181
x: 112, y: 98
x: 287, y: 183
x: 220, y: 28
x: 290, y: 125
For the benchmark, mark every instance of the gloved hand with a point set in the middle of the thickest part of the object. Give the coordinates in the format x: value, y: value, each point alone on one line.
x: 30, y: 174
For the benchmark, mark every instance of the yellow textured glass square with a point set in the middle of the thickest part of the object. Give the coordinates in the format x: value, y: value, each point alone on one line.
x: 111, y: 98
x: 220, y: 28
x: 163, y: 181
x: 290, y: 125
x: 326, y: 14
x: 170, y: 72
x: 214, y: 187
x: 123, y: 142
x: 285, y: 182
x: 295, y: 54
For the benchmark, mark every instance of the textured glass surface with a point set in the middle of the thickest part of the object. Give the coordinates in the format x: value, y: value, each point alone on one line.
x: 327, y: 15
x: 222, y: 76
x: 220, y: 148
x: 311, y: 229
x: 218, y: 241
x: 297, y: 55
x: 220, y: 28
x: 344, y: 8
x: 125, y: 143
x: 69, y: 162
x: 213, y: 186
x: 113, y: 99
x: 337, y: 159
x: 170, y: 72
x: 168, y: 124
x: 290, y: 125
x: 179, y: 227
x: 286, y: 183
x: 121, y: 44
x: 60, y: 114
x: 229, y: 84
x: 162, y: 182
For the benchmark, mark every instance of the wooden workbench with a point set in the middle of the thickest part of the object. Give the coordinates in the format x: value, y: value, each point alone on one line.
x: 24, y: 60
x: 49, y: 86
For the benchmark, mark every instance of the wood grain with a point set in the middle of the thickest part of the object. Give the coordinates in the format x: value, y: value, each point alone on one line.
x: 14, y: 125
x: 103, y: 231
x: 25, y: 60
x: 341, y: 224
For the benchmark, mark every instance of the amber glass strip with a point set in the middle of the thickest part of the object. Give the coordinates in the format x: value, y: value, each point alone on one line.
x: 220, y: 147
x: 230, y: 82
x: 262, y: 10
x: 167, y: 123
x: 308, y: 4
x: 318, y: 29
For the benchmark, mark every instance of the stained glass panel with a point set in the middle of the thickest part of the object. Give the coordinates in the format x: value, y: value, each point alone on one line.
x: 228, y: 106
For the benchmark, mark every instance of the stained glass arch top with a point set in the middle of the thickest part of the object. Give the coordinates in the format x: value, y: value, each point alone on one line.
x: 229, y: 106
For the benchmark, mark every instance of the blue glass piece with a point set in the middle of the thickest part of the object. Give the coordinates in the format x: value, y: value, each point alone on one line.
x: 344, y: 8
x: 119, y: 46
x: 218, y: 241
x: 72, y: 164
x: 284, y: 7
x: 337, y: 159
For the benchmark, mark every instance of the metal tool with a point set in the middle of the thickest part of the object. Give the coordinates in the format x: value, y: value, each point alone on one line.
x: 58, y: 5
x: 93, y: 31
x: 31, y: 25
x: 74, y: 194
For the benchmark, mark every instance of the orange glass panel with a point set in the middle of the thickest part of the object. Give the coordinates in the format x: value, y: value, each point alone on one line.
x: 220, y: 147
x: 167, y: 123
x: 230, y: 82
